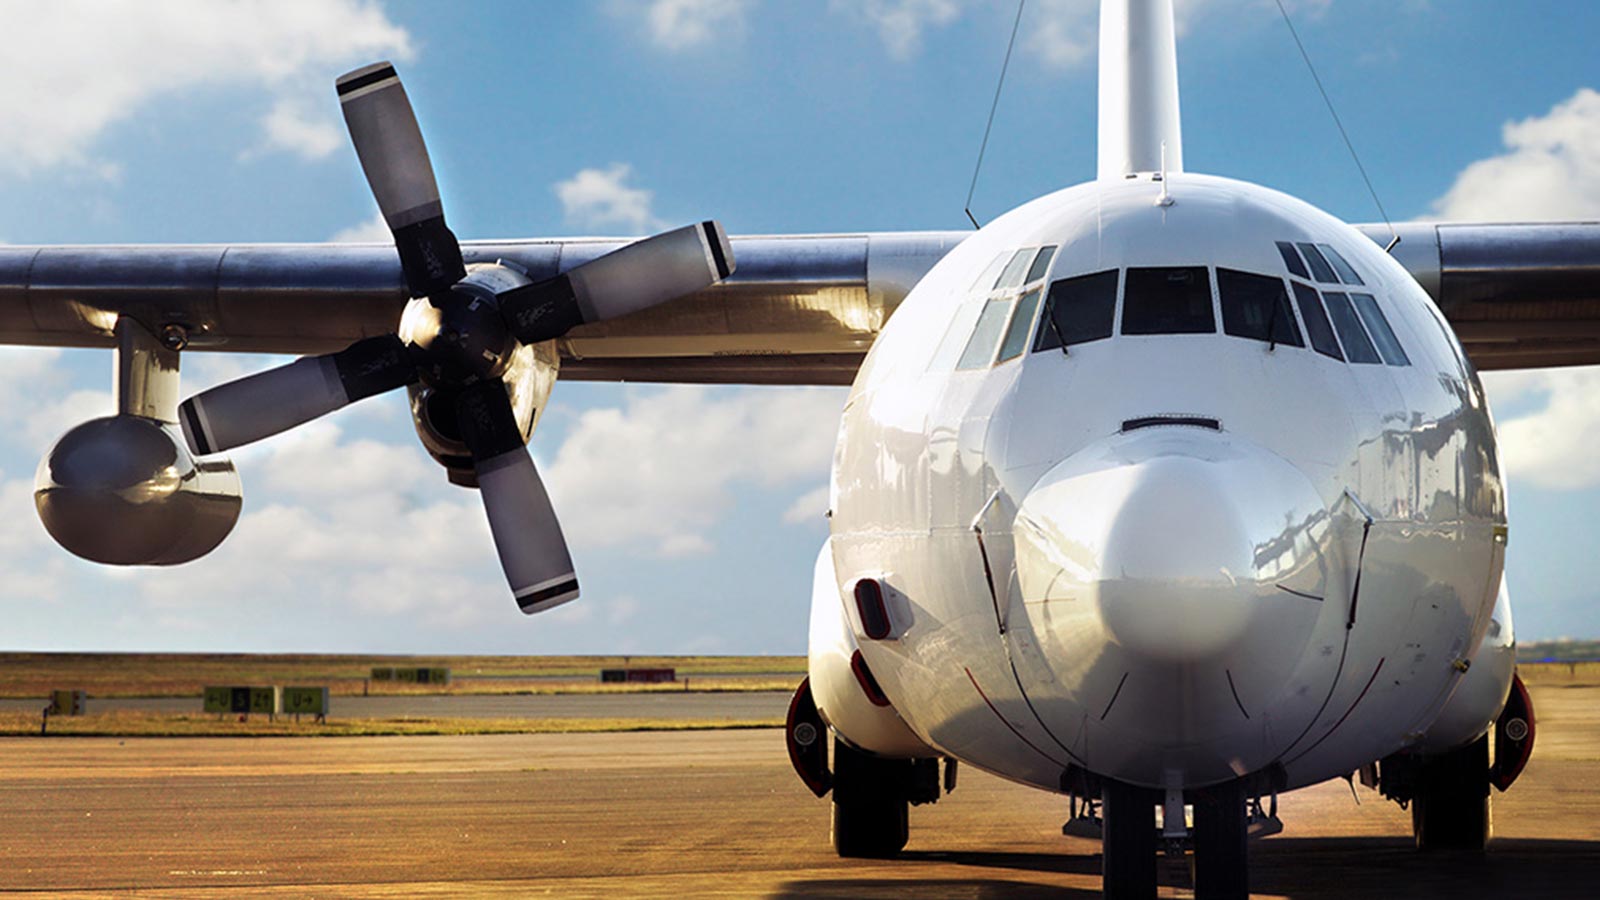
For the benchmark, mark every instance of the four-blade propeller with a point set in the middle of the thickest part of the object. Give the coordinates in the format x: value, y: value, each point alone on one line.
x: 458, y: 335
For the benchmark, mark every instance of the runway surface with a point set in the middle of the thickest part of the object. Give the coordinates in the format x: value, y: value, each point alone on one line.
x: 643, y: 705
x: 701, y: 814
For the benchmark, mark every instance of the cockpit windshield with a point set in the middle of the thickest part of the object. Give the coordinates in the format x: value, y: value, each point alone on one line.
x: 1168, y: 301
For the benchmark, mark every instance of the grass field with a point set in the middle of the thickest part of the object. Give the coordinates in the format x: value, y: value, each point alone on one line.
x: 1557, y: 673
x: 25, y: 675
x: 126, y: 723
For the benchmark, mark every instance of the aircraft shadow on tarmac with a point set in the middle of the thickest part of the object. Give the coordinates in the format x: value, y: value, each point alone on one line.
x: 1297, y: 868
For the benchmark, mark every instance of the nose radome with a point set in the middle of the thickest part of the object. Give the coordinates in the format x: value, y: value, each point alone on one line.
x: 1176, y: 544
x: 1177, y: 570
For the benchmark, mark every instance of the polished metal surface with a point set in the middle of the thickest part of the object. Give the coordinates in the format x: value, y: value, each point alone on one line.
x: 146, y: 374
x: 798, y: 309
x: 124, y: 490
x: 1517, y: 296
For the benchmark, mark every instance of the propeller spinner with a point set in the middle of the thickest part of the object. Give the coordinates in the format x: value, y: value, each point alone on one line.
x: 458, y: 335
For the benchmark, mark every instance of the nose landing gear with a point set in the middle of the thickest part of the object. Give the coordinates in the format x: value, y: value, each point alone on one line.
x: 1130, y: 840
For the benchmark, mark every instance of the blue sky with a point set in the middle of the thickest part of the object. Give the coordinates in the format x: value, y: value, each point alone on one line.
x: 694, y: 513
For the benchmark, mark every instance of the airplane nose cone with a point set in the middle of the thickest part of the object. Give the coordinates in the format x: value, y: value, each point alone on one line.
x: 1177, y: 569
x: 1178, y: 547
x: 1171, y: 581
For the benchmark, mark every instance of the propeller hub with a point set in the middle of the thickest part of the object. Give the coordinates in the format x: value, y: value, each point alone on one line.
x: 457, y: 337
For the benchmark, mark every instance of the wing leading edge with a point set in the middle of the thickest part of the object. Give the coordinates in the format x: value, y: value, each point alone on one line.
x: 799, y: 309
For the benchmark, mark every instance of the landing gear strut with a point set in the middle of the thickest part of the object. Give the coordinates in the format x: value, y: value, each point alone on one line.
x: 1451, y: 808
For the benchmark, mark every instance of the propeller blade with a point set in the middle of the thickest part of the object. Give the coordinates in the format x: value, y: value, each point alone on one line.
x: 266, y: 403
x: 527, y: 534
x: 644, y: 273
x: 395, y: 160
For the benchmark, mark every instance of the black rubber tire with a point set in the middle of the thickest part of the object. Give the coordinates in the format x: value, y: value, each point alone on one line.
x: 1451, y: 808
x: 1128, y: 841
x: 871, y: 817
x: 1221, y: 843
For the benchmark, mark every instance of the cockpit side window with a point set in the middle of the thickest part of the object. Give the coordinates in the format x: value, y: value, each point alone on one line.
x: 1357, y: 347
x: 1257, y: 306
x: 1079, y: 310
x: 1012, y: 276
x: 1168, y: 301
x: 1317, y: 326
x: 1388, y: 345
x: 1346, y: 271
x: 1319, y: 266
x: 980, y: 348
x: 1021, y: 326
x: 1041, y: 265
x: 1291, y: 258
x: 991, y: 274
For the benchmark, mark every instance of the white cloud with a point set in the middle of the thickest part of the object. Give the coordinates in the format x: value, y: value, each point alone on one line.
x: 42, y: 423
x: 347, y: 524
x: 808, y: 507
x: 1553, y: 446
x: 599, y: 198
x: 901, y: 23
x: 684, y: 24
x: 659, y: 471
x: 373, y: 231
x: 291, y: 126
x: 76, y: 68
x: 1550, y: 170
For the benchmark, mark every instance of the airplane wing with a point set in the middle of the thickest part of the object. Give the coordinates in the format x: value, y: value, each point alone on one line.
x: 1518, y: 296
x: 799, y: 309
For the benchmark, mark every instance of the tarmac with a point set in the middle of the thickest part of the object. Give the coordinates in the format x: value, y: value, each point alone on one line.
x: 687, y: 814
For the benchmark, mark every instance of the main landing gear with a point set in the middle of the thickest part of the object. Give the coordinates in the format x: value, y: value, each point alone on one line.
x: 1450, y: 810
x: 1129, y: 842
x: 871, y: 799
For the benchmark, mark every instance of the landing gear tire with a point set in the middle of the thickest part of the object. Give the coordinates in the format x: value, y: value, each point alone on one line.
x: 1221, y: 841
x: 870, y: 809
x: 1128, y: 841
x: 1451, y: 808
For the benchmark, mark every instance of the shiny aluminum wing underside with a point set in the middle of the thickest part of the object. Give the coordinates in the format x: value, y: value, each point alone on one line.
x: 799, y: 309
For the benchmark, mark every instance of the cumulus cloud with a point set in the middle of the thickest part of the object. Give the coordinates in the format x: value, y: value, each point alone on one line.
x: 659, y: 471
x: 292, y: 126
x: 1552, y: 446
x: 901, y: 23
x: 601, y: 199
x: 808, y: 507
x: 347, y: 522
x: 77, y: 68
x: 1550, y: 170
x: 373, y: 231
x: 682, y: 24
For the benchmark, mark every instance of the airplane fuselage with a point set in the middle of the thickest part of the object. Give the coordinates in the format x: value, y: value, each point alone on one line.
x: 1206, y: 488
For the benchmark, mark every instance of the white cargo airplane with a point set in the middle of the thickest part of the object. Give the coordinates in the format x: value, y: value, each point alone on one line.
x: 1164, y: 491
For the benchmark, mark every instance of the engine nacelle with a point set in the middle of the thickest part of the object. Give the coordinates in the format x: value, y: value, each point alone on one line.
x: 124, y: 490
x: 530, y: 376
